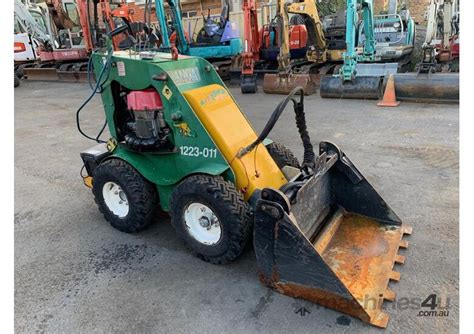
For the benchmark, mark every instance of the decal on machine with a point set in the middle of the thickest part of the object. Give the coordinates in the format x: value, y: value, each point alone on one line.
x: 185, y: 75
x: 194, y: 151
x: 121, y: 68
x: 184, y: 129
x: 214, y: 96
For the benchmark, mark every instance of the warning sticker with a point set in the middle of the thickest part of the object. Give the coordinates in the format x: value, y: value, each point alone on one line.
x: 121, y: 68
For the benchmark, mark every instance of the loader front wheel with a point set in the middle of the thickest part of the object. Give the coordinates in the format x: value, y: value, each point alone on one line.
x: 212, y: 218
x: 282, y: 155
x: 125, y: 198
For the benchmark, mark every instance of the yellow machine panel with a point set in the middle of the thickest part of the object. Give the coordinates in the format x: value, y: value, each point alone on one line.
x: 217, y: 110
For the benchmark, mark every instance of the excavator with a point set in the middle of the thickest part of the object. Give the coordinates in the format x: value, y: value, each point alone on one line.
x: 73, y: 31
x: 261, y: 47
x: 359, y: 77
x: 66, y: 46
x: 394, y: 33
x: 306, y: 73
x: 442, y: 35
x: 334, y: 25
x: 440, y: 53
x: 219, y: 42
x: 29, y: 31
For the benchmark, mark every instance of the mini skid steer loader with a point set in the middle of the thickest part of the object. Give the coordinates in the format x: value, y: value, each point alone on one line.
x: 180, y: 143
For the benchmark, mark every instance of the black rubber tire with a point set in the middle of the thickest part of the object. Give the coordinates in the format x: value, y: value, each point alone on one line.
x: 282, y: 155
x: 20, y: 71
x: 141, y: 194
x: 229, y: 206
x: 16, y: 81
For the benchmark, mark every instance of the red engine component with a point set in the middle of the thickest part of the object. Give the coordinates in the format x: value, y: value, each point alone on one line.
x: 144, y: 100
x: 147, y: 131
x: 298, y: 36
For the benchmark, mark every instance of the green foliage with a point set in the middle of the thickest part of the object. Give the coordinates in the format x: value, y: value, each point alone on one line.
x: 328, y: 7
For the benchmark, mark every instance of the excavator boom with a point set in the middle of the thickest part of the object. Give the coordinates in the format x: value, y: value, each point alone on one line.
x: 248, y: 79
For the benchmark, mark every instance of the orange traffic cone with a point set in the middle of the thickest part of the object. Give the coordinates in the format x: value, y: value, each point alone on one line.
x: 389, y: 98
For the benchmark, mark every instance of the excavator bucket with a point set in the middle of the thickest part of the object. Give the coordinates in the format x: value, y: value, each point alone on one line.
x: 284, y: 84
x: 427, y: 88
x: 367, y: 84
x: 335, y: 243
x: 41, y: 74
x: 248, y: 84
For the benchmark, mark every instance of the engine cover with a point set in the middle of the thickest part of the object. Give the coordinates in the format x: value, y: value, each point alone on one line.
x: 145, y: 105
x: 147, y: 99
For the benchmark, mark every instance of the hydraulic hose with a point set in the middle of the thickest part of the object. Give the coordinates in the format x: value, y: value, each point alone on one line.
x: 99, y: 83
x: 298, y: 106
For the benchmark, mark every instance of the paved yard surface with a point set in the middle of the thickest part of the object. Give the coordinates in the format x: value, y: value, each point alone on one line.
x: 75, y: 273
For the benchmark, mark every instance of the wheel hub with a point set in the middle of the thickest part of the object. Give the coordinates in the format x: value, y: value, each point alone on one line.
x: 202, y: 223
x: 115, y: 199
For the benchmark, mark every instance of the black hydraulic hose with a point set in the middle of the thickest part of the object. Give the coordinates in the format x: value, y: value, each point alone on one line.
x: 99, y: 83
x: 298, y: 106
x: 94, y: 91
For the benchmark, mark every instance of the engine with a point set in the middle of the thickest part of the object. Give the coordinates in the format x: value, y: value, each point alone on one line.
x: 148, y: 130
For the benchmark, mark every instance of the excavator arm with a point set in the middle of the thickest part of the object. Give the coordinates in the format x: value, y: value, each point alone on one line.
x: 33, y: 28
x: 175, y: 8
x: 284, y: 37
x: 351, y: 56
x: 250, y: 54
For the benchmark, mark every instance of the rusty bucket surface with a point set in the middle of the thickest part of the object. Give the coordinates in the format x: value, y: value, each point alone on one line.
x: 285, y: 83
x: 335, y: 245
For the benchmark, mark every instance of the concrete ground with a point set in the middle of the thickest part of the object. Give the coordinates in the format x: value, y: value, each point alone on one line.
x: 75, y: 273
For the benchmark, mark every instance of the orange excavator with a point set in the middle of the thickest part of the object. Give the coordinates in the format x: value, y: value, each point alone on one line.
x: 261, y: 46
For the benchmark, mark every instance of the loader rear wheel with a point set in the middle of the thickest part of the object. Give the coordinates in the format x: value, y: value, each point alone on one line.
x: 212, y: 218
x: 125, y: 198
x: 282, y: 155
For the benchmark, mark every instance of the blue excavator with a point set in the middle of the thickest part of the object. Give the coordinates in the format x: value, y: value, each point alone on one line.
x: 218, y: 41
x: 360, y: 76
x: 394, y: 32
